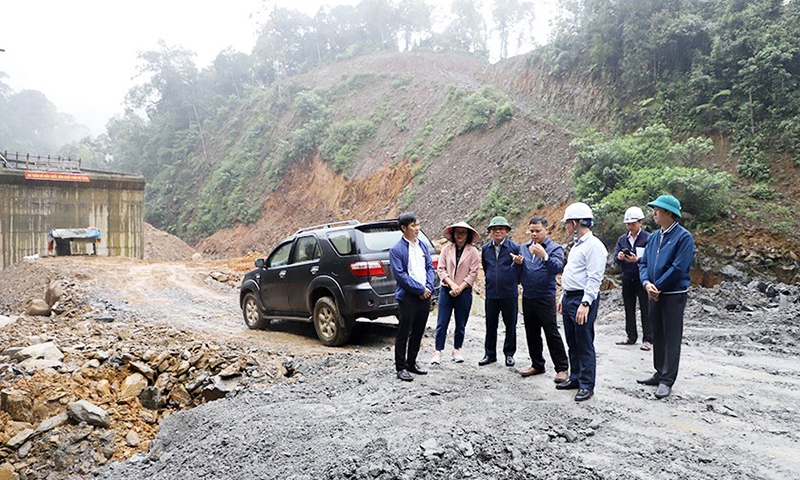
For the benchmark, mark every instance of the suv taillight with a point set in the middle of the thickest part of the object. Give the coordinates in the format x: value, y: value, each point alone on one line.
x: 435, y: 261
x: 364, y: 269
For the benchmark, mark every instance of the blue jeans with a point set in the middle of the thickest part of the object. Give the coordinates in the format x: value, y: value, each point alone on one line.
x: 580, y: 340
x: 461, y: 304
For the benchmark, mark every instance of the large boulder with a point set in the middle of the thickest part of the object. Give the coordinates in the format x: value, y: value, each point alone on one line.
x: 37, y: 308
x: 18, y: 405
x: 132, y: 386
x: 83, y: 411
x: 54, y: 292
x: 43, y: 351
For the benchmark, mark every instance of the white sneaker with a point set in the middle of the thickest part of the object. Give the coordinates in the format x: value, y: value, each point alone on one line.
x: 457, y: 356
x: 437, y: 358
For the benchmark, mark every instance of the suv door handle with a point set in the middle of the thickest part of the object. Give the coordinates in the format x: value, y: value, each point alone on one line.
x: 314, y: 269
x: 282, y: 274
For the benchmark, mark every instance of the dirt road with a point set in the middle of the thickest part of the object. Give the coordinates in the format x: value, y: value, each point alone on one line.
x: 733, y: 412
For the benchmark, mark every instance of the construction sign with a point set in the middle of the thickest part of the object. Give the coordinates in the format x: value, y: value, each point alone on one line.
x: 57, y: 176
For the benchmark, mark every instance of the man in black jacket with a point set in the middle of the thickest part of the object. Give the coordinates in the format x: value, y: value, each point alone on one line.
x: 629, y: 248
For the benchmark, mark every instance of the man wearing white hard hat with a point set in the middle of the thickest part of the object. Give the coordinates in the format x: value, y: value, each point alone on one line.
x: 580, y: 299
x: 630, y: 247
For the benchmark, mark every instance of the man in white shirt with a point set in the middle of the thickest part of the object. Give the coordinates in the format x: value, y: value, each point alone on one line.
x: 413, y: 270
x: 580, y: 299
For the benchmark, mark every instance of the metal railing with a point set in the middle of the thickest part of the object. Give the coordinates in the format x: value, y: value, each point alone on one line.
x: 40, y: 163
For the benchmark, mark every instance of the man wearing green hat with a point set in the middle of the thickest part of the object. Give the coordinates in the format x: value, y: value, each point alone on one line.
x: 497, y: 258
x: 664, y: 272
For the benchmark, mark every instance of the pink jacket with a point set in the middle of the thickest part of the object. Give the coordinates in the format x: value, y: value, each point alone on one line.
x: 468, y: 265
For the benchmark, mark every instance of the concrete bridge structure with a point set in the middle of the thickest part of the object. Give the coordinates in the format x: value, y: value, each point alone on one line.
x: 34, y: 199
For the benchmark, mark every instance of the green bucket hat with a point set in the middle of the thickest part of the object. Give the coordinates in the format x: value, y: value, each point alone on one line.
x: 499, y: 221
x: 667, y: 202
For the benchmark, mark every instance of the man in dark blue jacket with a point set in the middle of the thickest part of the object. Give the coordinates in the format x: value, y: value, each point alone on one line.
x: 542, y: 260
x: 629, y: 248
x: 664, y: 271
x: 413, y: 270
x: 502, y: 293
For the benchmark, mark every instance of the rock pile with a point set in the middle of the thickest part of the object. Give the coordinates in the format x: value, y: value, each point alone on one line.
x: 78, y: 387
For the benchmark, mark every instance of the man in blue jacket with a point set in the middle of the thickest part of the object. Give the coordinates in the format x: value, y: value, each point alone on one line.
x: 542, y: 261
x: 626, y: 254
x: 502, y: 293
x: 413, y: 270
x: 664, y: 272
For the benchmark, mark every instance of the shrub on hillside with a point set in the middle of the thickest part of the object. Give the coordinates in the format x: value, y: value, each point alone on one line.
x: 634, y: 169
x: 342, y: 142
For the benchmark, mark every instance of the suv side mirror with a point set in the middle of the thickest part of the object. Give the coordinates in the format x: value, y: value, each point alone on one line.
x: 259, y: 263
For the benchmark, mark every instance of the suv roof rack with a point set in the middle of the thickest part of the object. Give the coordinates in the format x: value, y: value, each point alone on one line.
x: 328, y: 225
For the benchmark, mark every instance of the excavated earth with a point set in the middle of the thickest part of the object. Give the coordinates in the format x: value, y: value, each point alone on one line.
x: 234, y: 403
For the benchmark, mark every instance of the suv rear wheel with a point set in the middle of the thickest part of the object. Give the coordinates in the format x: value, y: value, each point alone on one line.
x: 252, y: 314
x: 332, y: 329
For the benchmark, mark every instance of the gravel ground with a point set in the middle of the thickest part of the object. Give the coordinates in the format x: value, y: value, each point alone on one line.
x: 341, y: 413
x: 733, y: 412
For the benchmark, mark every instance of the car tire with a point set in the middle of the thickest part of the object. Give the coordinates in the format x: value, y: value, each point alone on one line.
x: 251, y: 312
x: 332, y: 328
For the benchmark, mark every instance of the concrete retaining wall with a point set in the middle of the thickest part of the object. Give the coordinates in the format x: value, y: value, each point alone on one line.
x: 29, y: 208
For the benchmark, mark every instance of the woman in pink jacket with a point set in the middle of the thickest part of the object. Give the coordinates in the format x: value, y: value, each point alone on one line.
x: 458, y: 268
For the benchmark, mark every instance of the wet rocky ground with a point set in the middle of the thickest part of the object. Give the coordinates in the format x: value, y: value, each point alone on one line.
x: 293, y: 409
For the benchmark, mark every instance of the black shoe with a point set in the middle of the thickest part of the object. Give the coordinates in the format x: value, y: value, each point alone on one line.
x: 404, y: 375
x: 652, y: 381
x: 583, y: 394
x: 509, y: 361
x: 417, y: 368
x: 487, y: 360
x: 663, y: 390
x: 568, y: 385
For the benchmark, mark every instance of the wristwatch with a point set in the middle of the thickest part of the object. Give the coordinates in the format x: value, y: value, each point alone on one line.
x: 585, y: 303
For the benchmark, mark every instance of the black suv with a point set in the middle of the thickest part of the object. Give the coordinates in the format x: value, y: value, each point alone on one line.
x: 330, y: 275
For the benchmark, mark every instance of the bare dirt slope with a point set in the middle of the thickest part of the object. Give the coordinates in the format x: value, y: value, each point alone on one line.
x: 523, y: 159
x: 343, y: 414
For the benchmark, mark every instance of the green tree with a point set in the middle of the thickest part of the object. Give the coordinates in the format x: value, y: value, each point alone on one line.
x: 507, y: 15
x: 169, y: 89
x: 414, y: 22
x: 380, y: 22
x: 466, y: 31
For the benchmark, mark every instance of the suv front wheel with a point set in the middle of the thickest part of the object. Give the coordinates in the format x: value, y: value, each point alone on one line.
x: 332, y: 329
x: 252, y: 314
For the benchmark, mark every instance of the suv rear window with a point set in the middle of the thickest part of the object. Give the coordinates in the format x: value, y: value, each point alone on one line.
x: 383, y: 238
x: 380, y: 239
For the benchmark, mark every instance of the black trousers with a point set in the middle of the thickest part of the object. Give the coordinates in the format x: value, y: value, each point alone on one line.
x: 413, y: 315
x: 633, y: 290
x: 540, y: 314
x: 667, y: 317
x: 508, y: 307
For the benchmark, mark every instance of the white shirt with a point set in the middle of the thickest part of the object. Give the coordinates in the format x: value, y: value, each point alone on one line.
x: 416, y: 261
x: 632, y: 239
x: 585, y: 267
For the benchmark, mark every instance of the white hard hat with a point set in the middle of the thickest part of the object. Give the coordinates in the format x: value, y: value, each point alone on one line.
x: 633, y: 214
x: 577, y: 211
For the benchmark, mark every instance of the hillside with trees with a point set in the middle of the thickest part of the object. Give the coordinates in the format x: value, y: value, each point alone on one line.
x: 362, y: 111
x: 32, y: 124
